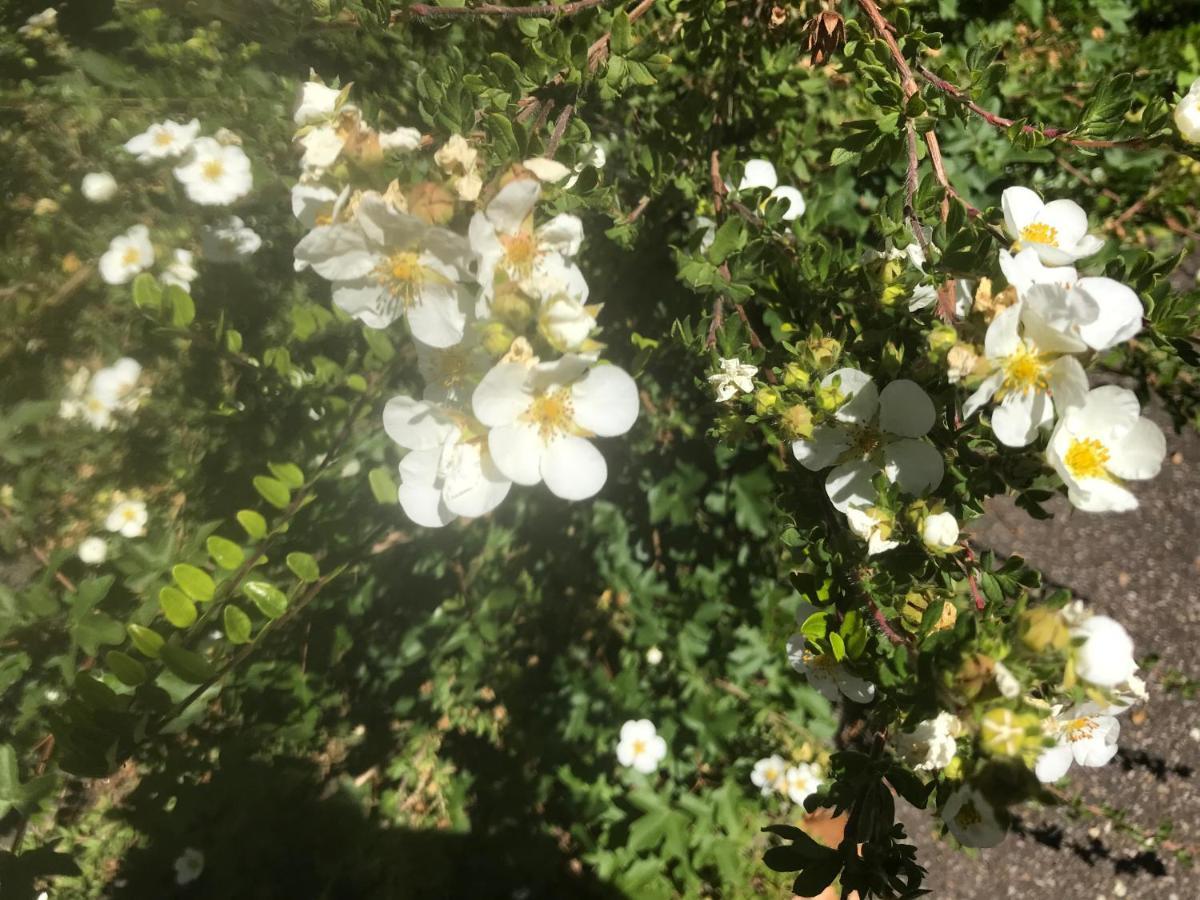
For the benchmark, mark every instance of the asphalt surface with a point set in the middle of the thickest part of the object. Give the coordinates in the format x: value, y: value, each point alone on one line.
x: 1142, y: 568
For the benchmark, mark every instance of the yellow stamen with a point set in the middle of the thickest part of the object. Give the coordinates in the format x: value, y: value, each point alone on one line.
x: 213, y: 169
x: 1025, y: 371
x: 163, y: 138
x: 520, y: 253
x: 552, y: 413
x: 1086, y: 458
x: 403, y: 275
x: 639, y: 747
x: 1080, y: 729
x: 131, y: 256
x: 1040, y: 233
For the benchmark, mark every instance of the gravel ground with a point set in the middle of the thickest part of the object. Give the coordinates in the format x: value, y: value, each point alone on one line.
x: 1144, y: 569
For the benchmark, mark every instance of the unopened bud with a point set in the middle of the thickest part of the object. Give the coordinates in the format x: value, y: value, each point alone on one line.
x: 1044, y: 629
x: 942, y: 338
x: 794, y: 375
x: 764, y: 399
x: 431, y: 203
x: 892, y: 294
x: 974, y: 674
x: 797, y: 421
x: 496, y: 338
x: 825, y: 352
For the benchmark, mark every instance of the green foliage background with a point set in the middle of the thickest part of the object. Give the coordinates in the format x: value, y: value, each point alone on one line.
x: 440, y: 720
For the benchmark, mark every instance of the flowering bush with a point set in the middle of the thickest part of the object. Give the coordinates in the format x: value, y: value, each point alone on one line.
x: 284, y: 339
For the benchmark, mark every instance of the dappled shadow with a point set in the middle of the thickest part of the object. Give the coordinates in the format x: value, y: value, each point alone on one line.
x: 1155, y: 765
x: 1093, y: 851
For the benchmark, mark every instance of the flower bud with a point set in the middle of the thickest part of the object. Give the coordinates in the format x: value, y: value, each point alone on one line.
x: 797, y: 421
x: 892, y: 294
x: 829, y: 399
x: 496, y: 338
x: 511, y: 306
x: 942, y: 338
x: 764, y: 399
x: 1044, y: 629
x: 431, y: 203
x: 825, y: 352
x: 794, y: 375
x: 974, y: 674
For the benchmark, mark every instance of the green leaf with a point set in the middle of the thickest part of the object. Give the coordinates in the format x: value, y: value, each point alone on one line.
x: 196, y: 583
x: 225, y: 553
x: 273, y: 491
x: 237, y: 625
x: 183, y: 310
x: 179, y: 610
x: 191, y: 667
x: 837, y: 645
x: 909, y: 786
x: 125, y: 667
x: 303, y: 566
x: 10, y: 779
x: 289, y: 473
x: 254, y: 524
x: 383, y: 486
x: 148, y: 642
x: 841, y: 155
x: 991, y: 588
x: 270, y: 600
x: 621, y: 39
x: 146, y: 292
x: 504, y: 140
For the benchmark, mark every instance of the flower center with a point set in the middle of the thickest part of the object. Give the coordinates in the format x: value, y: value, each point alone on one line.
x: 403, y: 275
x: 131, y: 257
x: 1025, y: 371
x: 1086, y: 458
x: 1080, y: 729
x: 639, y: 747
x: 552, y: 413
x: 865, y: 441
x: 213, y: 169
x: 129, y: 514
x: 163, y: 138
x: 968, y: 815
x: 771, y: 774
x: 1040, y: 233
x: 821, y: 662
x: 520, y: 253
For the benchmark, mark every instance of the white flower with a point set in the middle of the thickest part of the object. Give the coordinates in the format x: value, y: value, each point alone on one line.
x: 181, y: 271
x: 448, y: 471
x: 1099, y: 312
x: 940, y: 531
x: 128, y: 518
x: 1103, y: 443
x: 451, y: 373
x: 115, y: 386
x: 188, y: 866
x: 826, y: 674
x: 801, y: 781
x: 47, y: 18
x: 769, y: 775
x: 1057, y: 230
x: 1006, y: 682
x: 873, y: 526
x: 322, y: 146
x: 1187, y: 114
x: 640, y: 746
x: 1025, y: 268
x: 972, y: 819
x: 547, y: 170
x: 654, y: 656
x: 731, y: 378
x: 566, y: 323
x: 165, y: 140
x: 98, y: 187
x: 593, y: 156
x: 761, y: 174
x: 217, y: 174
x: 1085, y: 736
x: 386, y: 263
x: 93, y: 550
x: 875, y: 431
x: 127, y: 255
x: 313, y: 204
x: 542, y: 414
x: 316, y: 103
x: 1105, y: 655
x: 399, y: 139
x: 230, y: 240
x: 1032, y: 374
x: 510, y: 249
x: 709, y: 228
x: 457, y: 158
x: 930, y: 746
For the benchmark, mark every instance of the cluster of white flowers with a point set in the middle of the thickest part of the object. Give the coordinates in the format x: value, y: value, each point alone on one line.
x: 772, y: 775
x: 1030, y: 365
x: 101, y: 398
x: 214, y: 171
x: 640, y: 746
x: 485, y: 308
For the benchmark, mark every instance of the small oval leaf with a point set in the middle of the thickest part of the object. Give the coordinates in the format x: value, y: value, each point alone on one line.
x: 125, y: 667
x: 179, y: 610
x: 254, y: 524
x: 270, y: 600
x: 273, y: 491
x: 191, y: 667
x: 196, y: 583
x: 289, y: 473
x: 225, y: 553
x: 237, y: 625
x: 148, y: 641
x: 303, y: 566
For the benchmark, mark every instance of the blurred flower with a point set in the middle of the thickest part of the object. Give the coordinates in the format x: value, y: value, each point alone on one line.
x: 768, y: 775
x: 801, y: 781
x: 654, y: 656
x: 127, y: 518
x: 322, y: 147
x: 590, y: 155
x: 1102, y: 443
x: 1057, y: 230
x: 874, y: 526
x: 315, y: 103
x: 181, y: 271
x: 188, y: 866
x: 940, y: 531
x: 826, y: 674
x: 400, y: 139
x: 1085, y: 736
x: 932, y: 744
x: 1105, y: 655
x: 93, y: 550
x: 760, y: 174
x: 875, y: 431
x: 165, y: 140
x: 640, y: 746
x: 230, y: 240
x: 98, y: 187
x: 217, y: 174
x: 458, y: 159
x: 972, y: 819
x: 1006, y: 683
x: 731, y: 378
x: 542, y: 414
x: 127, y: 255
x: 547, y: 170
x: 1187, y: 114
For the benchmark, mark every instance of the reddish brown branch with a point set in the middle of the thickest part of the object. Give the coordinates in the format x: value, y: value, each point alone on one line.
x: 544, y: 11
x: 884, y: 625
x: 560, y: 128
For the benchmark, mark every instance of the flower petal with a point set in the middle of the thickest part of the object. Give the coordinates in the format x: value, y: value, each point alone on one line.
x: 605, y: 401
x: 501, y: 395
x: 413, y: 424
x: 760, y: 173
x: 573, y: 468
x: 1118, y: 312
x: 438, y: 318
x: 1015, y: 421
x: 851, y: 484
x: 517, y: 450
x: 905, y: 409
x: 794, y: 200
x: 508, y: 209
x: 1139, y: 454
x: 1021, y: 207
x: 1053, y: 764
x: 822, y: 449
x: 915, y: 465
x: 862, y: 395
